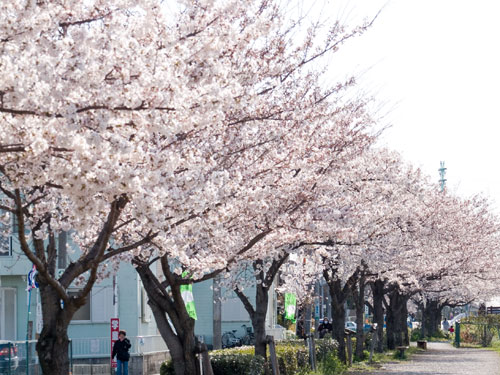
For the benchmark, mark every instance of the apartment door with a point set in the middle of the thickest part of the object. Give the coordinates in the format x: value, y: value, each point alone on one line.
x: 8, y: 312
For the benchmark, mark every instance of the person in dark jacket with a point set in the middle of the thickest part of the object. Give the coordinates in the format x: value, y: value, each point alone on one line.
x: 120, y: 350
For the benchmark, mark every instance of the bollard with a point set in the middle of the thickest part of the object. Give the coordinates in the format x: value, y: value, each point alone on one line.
x: 457, y: 334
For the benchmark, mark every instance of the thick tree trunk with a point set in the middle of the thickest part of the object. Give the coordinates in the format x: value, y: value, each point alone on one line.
x: 338, y: 317
x: 360, y: 310
x: 404, y: 327
x: 52, y: 345
x: 181, y: 342
x: 397, y: 330
x: 259, y: 319
x: 431, y: 318
x: 181, y: 348
x: 378, y: 312
x: 389, y: 330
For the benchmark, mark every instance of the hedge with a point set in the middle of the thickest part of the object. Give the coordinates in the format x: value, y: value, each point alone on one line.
x: 293, y: 358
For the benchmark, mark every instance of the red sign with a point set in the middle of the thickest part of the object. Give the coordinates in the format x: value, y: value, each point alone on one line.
x: 115, y: 328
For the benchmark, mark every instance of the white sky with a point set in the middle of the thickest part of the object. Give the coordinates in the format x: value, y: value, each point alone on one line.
x: 434, y: 66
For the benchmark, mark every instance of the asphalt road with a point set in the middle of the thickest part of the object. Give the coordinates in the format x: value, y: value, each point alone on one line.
x: 444, y: 359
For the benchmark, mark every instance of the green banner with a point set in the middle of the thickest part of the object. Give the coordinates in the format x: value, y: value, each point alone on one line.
x: 290, y: 306
x: 187, y: 296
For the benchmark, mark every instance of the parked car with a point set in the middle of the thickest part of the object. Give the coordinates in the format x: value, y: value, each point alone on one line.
x: 351, y: 325
x: 6, y: 360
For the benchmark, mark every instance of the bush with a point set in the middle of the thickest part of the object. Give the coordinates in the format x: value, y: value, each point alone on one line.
x: 293, y: 359
x: 167, y: 368
x: 331, y: 365
x: 415, y: 334
x: 244, y: 364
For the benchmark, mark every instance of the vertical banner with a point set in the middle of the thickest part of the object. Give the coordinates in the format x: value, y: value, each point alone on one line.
x: 115, y: 328
x: 187, y: 296
x: 290, y: 306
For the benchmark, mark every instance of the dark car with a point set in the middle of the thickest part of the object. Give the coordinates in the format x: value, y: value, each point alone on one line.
x: 7, y: 360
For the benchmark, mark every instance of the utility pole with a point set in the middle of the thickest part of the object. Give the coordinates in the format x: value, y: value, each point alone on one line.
x: 442, y: 173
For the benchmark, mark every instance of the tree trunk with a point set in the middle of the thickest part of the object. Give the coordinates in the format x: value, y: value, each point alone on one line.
x: 338, y: 317
x: 52, y: 345
x: 378, y: 312
x: 431, y: 317
x: 396, y: 308
x: 259, y: 320
x: 404, y: 327
x: 359, y: 301
x: 181, y: 342
x: 389, y: 330
x: 181, y: 348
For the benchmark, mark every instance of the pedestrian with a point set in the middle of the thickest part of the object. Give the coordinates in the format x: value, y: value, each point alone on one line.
x: 120, y: 350
x: 446, y: 325
x: 324, y: 328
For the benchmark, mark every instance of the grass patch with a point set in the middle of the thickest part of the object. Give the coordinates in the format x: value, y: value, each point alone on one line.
x: 379, y: 359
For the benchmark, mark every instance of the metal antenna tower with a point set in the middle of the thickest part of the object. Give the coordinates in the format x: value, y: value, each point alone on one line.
x: 442, y: 173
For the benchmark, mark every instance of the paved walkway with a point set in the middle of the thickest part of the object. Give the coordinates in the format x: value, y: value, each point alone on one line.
x: 444, y: 359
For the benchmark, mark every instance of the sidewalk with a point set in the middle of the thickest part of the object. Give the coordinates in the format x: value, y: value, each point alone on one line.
x: 444, y: 359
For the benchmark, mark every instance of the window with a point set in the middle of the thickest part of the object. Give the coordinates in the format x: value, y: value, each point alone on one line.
x: 5, y: 246
x: 98, y: 308
x: 102, y: 304
x: 145, y: 309
x: 83, y: 313
x: 5, y: 240
x: 8, y: 314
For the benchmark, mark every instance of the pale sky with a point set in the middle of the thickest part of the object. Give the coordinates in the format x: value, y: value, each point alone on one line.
x: 434, y: 68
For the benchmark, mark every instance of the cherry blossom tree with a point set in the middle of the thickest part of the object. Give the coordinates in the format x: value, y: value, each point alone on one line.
x: 158, y: 132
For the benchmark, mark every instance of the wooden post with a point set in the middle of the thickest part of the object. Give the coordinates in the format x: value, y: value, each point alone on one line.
x: 312, y: 351
x: 205, y: 360
x: 373, y: 343
x: 272, y: 354
x: 349, y: 349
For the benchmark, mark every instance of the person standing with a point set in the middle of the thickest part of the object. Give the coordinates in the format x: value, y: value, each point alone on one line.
x: 120, y: 350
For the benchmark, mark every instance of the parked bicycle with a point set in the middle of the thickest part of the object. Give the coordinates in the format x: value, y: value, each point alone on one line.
x: 229, y: 340
x: 249, y: 338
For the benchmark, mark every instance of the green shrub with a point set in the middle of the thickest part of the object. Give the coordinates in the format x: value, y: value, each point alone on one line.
x: 324, y: 347
x: 331, y: 365
x: 167, y: 368
x: 244, y: 364
x: 293, y: 359
x: 415, y: 334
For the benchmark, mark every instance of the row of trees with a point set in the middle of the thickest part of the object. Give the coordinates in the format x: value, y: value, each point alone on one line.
x: 206, y: 137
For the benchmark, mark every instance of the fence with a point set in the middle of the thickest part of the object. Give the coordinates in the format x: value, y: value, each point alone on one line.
x: 475, y: 333
x: 19, y: 357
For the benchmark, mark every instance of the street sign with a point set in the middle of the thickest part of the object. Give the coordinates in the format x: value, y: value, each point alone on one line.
x: 115, y: 328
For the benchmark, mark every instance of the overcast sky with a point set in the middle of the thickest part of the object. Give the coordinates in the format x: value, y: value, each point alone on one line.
x: 434, y: 68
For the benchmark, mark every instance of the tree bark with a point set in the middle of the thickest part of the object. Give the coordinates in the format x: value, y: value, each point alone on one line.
x: 378, y: 312
x: 338, y: 318
x: 431, y: 318
x: 258, y: 316
x: 258, y: 313
x: 52, y: 345
x: 404, y: 327
x: 389, y: 323
x: 359, y: 301
x: 181, y: 342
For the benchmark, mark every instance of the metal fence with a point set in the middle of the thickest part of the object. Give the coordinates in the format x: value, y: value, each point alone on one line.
x: 20, y: 357
x: 98, y: 347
